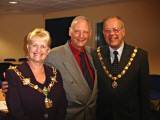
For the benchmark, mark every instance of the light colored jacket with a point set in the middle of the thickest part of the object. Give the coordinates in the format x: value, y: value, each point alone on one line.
x: 81, y: 99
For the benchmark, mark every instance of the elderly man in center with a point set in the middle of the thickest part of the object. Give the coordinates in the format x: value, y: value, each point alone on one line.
x: 74, y: 62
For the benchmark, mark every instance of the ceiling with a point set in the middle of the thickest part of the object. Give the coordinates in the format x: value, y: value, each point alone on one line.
x: 45, y: 6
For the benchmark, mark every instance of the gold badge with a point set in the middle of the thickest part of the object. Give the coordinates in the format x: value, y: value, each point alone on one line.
x: 114, y: 84
x: 48, y: 103
x: 26, y: 81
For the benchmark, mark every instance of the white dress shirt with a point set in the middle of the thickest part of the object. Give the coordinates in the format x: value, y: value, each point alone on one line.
x: 119, y: 50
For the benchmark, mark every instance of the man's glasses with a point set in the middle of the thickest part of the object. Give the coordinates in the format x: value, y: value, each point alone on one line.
x: 115, y: 30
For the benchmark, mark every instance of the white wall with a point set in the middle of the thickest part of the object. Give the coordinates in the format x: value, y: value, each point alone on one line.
x: 13, y: 29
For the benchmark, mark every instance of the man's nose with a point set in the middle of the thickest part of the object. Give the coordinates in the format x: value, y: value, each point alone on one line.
x: 81, y: 34
x: 112, y: 31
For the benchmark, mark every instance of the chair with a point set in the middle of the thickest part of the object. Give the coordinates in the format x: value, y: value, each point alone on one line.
x: 10, y: 59
x: 22, y: 59
x: 155, y: 86
x: 3, y: 67
x: 155, y: 96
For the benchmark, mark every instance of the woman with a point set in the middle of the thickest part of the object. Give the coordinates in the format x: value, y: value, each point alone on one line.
x: 35, y: 90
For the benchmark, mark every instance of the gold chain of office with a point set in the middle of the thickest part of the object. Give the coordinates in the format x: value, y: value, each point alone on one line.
x: 123, y: 72
x: 27, y: 81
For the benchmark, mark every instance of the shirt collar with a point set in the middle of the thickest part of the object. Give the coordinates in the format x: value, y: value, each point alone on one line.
x: 119, y: 50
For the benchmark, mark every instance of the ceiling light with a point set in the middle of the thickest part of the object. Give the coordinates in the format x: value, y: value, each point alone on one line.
x: 13, y: 2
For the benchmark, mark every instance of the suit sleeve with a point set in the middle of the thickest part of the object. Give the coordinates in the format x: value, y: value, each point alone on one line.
x: 144, y: 87
x: 51, y: 59
x: 13, y: 97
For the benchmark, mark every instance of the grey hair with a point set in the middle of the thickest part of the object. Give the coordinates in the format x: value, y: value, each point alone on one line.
x: 76, y: 19
x: 113, y: 17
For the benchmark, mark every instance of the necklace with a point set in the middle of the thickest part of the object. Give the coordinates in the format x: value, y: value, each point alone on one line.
x: 45, y: 91
x: 122, y: 73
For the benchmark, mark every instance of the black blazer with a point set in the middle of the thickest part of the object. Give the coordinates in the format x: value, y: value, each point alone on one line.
x: 26, y: 103
x: 130, y: 100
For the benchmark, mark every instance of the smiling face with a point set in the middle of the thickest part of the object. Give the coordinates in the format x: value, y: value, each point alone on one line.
x: 114, y: 32
x: 80, y: 33
x: 37, y: 50
x: 38, y: 42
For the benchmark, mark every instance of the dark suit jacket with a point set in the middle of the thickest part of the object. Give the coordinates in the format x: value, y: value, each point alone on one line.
x: 26, y: 103
x: 129, y: 101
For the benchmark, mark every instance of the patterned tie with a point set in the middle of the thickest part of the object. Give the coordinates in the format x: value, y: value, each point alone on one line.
x: 85, y: 70
x: 115, y: 66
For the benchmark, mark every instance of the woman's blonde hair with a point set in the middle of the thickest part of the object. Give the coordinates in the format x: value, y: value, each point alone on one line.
x: 39, y: 32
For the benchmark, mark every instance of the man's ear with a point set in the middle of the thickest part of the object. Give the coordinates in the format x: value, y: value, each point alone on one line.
x: 27, y: 46
x: 123, y: 31
x: 90, y: 33
x: 70, y: 31
x: 103, y: 33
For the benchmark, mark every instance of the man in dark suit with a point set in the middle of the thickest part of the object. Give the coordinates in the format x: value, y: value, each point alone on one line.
x: 122, y: 76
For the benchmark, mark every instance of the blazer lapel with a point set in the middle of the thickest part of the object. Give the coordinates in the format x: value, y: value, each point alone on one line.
x: 88, y: 51
x: 106, y: 57
x: 74, y: 69
x: 94, y: 92
x: 126, y: 54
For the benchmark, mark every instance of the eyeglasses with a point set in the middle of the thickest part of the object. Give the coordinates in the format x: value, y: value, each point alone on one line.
x: 115, y: 30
